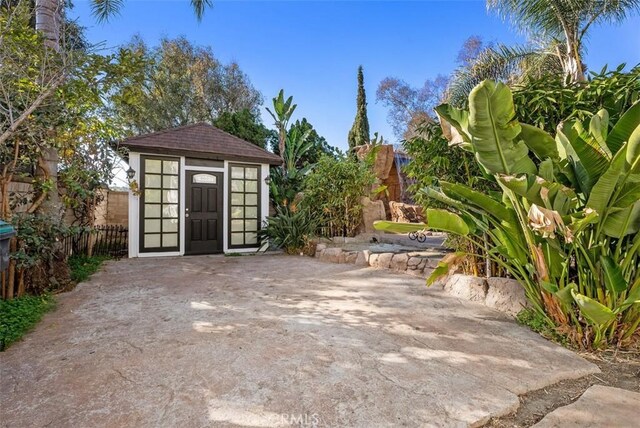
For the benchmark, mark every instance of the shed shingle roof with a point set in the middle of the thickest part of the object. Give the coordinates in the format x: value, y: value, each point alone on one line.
x: 200, y: 140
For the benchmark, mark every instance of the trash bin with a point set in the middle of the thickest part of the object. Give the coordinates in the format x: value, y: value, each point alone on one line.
x: 6, y: 233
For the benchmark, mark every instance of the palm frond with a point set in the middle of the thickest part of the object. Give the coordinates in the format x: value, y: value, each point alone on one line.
x: 105, y: 9
x: 509, y: 64
x: 199, y: 6
x: 551, y: 17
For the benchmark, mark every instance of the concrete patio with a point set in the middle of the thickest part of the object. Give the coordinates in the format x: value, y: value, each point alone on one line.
x: 261, y: 341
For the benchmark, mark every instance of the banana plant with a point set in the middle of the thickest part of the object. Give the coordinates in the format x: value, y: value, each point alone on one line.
x: 567, y: 219
x: 281, y: 114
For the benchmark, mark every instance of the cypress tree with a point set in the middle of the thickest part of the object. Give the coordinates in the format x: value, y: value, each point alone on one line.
x: 359, y: 133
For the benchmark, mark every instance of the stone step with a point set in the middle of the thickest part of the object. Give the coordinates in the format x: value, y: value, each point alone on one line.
x: 599, y: 406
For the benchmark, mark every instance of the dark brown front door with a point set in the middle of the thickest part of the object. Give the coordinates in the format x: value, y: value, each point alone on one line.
x: 203, y: 212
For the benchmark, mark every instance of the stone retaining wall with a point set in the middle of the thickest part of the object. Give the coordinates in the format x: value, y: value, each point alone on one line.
x: 409, y: 263
x: 503, y: 294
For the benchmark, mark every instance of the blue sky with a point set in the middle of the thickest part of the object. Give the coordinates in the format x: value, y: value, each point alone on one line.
x: 312, y: 49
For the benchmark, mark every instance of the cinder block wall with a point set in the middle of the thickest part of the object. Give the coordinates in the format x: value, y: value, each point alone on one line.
x: 117, y: 211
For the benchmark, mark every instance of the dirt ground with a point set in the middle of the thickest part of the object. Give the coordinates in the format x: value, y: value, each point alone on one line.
x: 620, y: 370
x: 271, y: 340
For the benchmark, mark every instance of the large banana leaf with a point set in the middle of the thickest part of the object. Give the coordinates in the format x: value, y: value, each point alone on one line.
x: 494, y: 131
x: 623, y: 128
x: 539, y: 142
x: 546, y: 170
x: 598, y: 130
x: 633, y: 151
x: 583, y: 151
x: 441, y: 197
x: 613, y: 279
x: 595, y: 312
x: 446, y: 221
x: 628, y: 194
x: 489, y: 206
x: 454, y: 123
x: 622, y: 221
x: 536, y: 190
x: 440, y: 220
x: 509, y: 240
x: 395, y: 227
x: 603, y: 190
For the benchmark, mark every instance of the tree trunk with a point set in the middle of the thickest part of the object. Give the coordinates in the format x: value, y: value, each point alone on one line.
x: 49, y: 14
x: 48, y: 19
x: 572, y: 63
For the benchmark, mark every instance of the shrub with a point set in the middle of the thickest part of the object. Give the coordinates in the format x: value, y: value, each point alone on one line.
x: 547, y: 101
x: 19, y: 315
x: 334, y: 189
x: 39, y: 259
x: 292, y: 228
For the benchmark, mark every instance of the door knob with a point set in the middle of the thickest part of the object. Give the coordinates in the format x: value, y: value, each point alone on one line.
x: 186, y: 215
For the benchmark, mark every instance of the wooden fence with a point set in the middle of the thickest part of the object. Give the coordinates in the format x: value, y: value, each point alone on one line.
x: 107, y: 240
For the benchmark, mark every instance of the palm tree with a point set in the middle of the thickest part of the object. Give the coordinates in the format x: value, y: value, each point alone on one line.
x: 557, y: 30
x: 49, y: 13
x: 563, y: 24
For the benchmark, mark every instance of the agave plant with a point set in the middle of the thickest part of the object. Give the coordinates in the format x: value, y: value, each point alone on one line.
x: 566, y: 221
x: 291, y: 229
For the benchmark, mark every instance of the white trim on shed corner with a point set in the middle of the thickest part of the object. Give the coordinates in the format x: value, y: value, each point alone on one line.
x: 134, y: 206
x: 183, y: 197
x: 264, y: 208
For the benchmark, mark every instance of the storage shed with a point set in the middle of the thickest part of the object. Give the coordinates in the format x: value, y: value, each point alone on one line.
x: 199, y: 190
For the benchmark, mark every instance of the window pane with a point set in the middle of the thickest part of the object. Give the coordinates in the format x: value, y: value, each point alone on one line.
x: 152, y: 180
x: 237, y: 186
x: 170, y: 167
x: 205, y: 179
x: 237, y: 172
x: 151, y: 241
x: 152, y: 195
x: 250, y: 238
x: 237, y: 199
x: 169, y: 239
x: 250, y: 225
x: 170, y: 211
x: 153, y: 166
x: 152, y: 226
x: 170, y: 225
x: 170, y: 182
x: 251, y: 173
x: 236, y: 225
x: 161, y: 202
x: 170, y: 196
x: 237, y: 212
x: 251, y: 186
x: 151, y: 210
x: 237, y: 238
x: 251, y: 199
x: 251, y: 212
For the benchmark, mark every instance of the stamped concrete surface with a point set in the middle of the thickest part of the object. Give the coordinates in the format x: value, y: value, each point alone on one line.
x: 599, y: 406
x: 261, y: 341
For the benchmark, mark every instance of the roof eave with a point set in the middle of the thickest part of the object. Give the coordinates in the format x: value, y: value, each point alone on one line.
x: 275, y: 161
